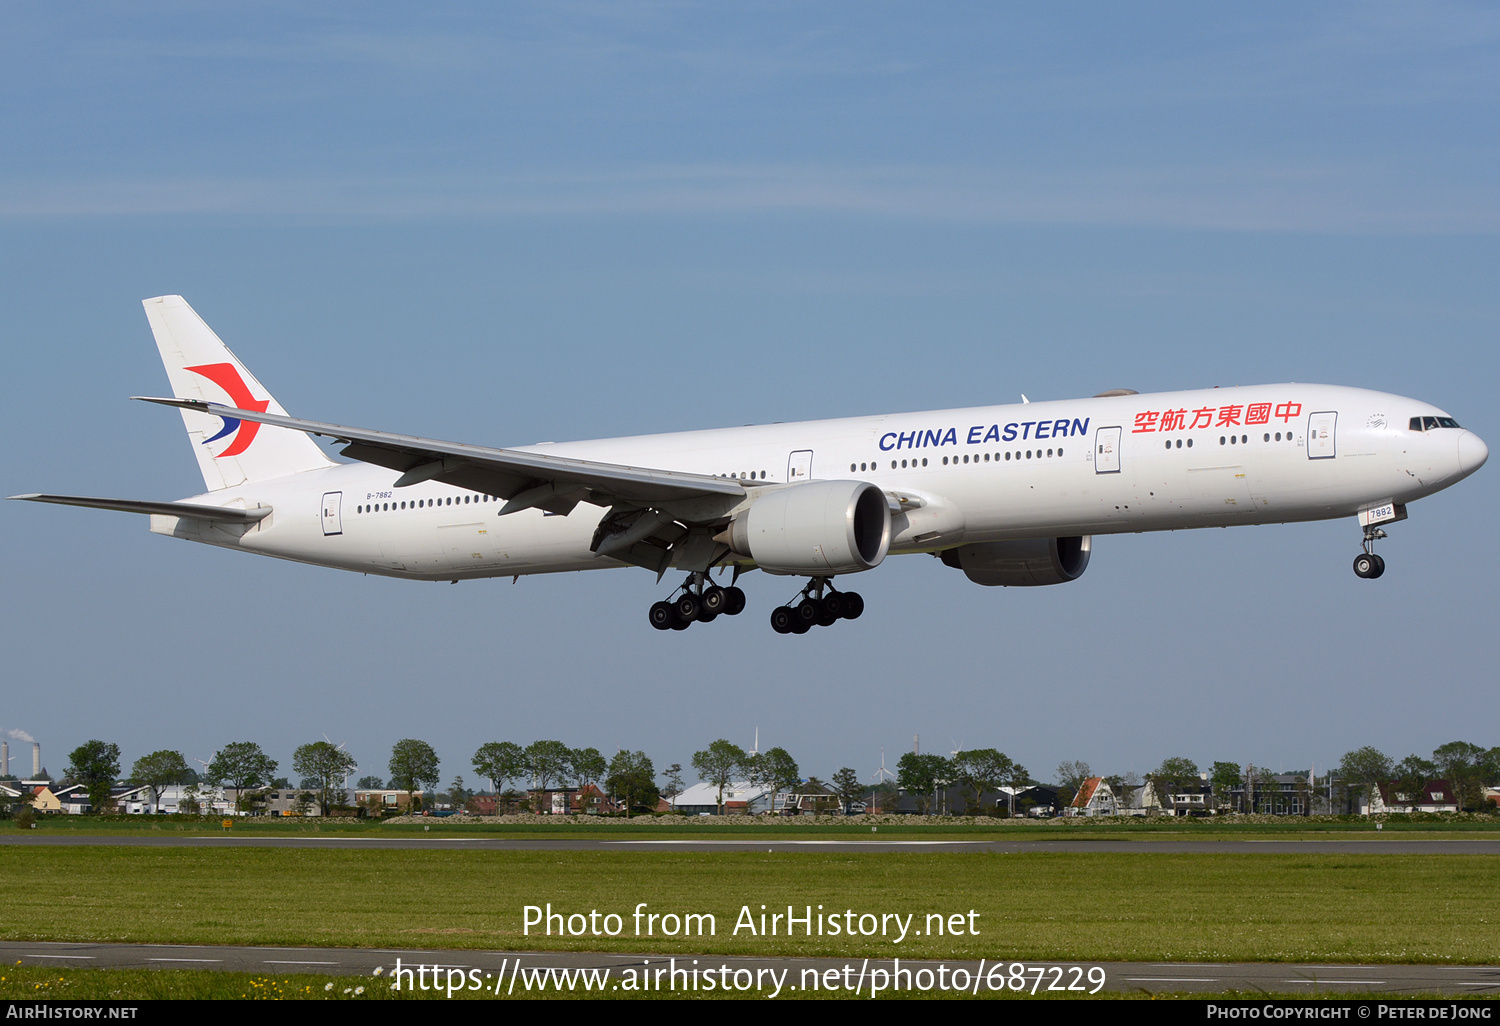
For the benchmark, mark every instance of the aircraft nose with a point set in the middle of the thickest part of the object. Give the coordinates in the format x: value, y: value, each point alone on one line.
x: 1472, y: 452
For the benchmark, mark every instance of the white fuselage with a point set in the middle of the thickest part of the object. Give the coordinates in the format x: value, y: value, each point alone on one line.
x: 1153, y: 462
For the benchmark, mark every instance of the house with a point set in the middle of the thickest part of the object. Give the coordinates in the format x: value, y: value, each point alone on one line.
x: 44, y: 799
x: 210, y: 800
x: 1094, y: 798
x: 807, y: 799
x: 1433, y: 796
x: 1195, y: 799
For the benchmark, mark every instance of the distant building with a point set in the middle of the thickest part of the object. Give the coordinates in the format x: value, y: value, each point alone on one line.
x: 807, y: 799
x: 386, y: 800
x: 1094, y: 798
x: 1279, y: 794
x: 211, y: 801
x: 1433, y: 796
x: 740, y: 798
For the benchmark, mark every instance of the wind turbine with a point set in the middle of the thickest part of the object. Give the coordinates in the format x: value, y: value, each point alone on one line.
x: 340, y: 748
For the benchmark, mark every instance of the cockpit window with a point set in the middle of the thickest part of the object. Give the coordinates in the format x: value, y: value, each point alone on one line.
x: 1431, y: 423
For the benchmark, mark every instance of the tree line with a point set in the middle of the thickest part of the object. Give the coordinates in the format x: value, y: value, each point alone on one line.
x: 629, y: 778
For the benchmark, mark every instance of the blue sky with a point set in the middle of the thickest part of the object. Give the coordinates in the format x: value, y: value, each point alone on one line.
x: 507, y: 224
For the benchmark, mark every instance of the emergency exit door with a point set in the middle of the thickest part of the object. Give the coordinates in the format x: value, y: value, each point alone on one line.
x: 799, y: 465
x: 1107, y: 450
x: 332, y: 521
x: 1320, y: 435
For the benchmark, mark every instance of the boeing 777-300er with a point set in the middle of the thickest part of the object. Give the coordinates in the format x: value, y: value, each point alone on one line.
x: 1010, y: 495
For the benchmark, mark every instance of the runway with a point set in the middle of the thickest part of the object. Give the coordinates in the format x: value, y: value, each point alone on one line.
x: 1367, y: 845
x: 796, y: 975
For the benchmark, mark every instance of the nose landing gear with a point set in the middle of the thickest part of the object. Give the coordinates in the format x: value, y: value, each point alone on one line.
x: 820, y: 606
x: 701, y: 601
x: 1367, y: 564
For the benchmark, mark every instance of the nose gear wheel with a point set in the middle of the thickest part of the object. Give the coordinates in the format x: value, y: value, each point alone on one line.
x: 1367, y: 564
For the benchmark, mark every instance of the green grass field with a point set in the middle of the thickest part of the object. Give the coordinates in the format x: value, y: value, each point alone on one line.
x: 1085, y: 907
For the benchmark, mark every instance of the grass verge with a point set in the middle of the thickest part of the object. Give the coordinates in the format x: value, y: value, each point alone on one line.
x: 1083, y: 907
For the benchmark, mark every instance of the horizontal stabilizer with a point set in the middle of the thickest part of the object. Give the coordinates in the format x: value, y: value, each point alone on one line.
x: 170, y: 509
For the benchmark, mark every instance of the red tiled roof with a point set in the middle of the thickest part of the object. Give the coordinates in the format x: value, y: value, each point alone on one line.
x: 1086, y: 792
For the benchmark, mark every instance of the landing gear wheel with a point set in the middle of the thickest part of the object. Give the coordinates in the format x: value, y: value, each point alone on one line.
x: 808, y: 612
x: 833, y: 609
x: 734, y: 601
x: 781, y: 620
x: 853, y: 605
x: 800, y: 626
x: 1368, y: 565
x: 1379, y: 566
x: 680, y: 624
x: 688, y: 607
x: 714, y: 601
x: 663, y: 616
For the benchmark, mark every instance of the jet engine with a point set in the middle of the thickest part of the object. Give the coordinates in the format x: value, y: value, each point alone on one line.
x: 819, y: 528
x: 1022, y: 564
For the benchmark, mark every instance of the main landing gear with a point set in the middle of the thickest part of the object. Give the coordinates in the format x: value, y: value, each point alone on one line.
x: 820, y: 606
x: 700, y: 602
x: 1367, y: 564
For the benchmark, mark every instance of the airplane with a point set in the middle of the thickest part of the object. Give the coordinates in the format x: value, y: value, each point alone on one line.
x: 1009, y: 495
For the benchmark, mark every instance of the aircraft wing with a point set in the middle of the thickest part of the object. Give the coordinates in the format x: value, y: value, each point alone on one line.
x: 171, y: 509
x: 526, y: 479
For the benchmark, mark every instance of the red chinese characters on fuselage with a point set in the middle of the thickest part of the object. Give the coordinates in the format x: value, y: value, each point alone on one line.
x: 1208, y: 416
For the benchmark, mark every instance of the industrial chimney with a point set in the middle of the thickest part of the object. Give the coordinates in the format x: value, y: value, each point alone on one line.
x: 36, y: 760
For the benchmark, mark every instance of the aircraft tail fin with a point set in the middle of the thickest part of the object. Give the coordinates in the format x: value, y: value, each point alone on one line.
x: 230, y: 452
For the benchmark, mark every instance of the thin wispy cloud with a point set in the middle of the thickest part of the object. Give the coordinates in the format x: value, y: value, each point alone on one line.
x: 1311, y: 198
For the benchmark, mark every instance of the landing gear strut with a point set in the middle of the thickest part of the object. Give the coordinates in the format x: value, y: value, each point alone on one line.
x: 700, y: 601
x: 1367, y: 564
x: 818, y: 605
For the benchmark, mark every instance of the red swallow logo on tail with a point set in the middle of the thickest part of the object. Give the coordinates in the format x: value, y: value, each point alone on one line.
x: 226, y: 377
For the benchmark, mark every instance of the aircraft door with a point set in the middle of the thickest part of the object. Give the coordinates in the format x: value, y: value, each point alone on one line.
x: 1107, y: 450
x: 332, y: 522
x: 799, y: 466
x: 1320, y: 435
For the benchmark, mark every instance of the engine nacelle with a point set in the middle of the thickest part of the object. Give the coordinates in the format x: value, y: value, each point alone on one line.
x: 1022, y: 564
x: 819, y: 528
